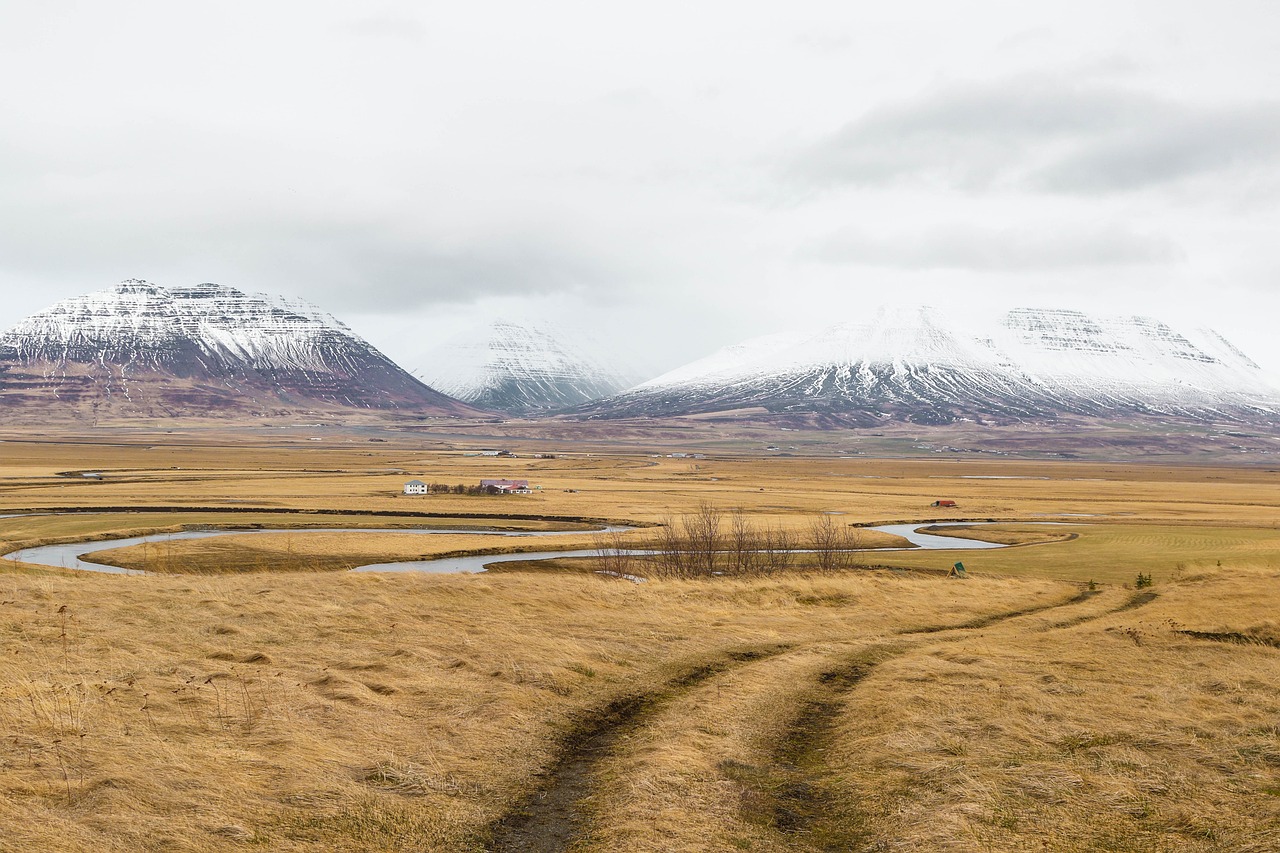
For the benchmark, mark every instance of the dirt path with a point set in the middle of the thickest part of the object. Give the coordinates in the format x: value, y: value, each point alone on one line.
x: 996, y: 618
x: 553, y: 817
x: 1229, y: 637
x: 792, y: 792
x: 1138, y: 599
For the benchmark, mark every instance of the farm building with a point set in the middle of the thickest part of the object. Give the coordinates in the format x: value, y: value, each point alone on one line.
x: 943, y: 504
x: 415, y: 487
x: 506, y: 487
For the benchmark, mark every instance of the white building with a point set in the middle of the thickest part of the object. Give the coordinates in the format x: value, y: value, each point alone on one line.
x: 415, y: 487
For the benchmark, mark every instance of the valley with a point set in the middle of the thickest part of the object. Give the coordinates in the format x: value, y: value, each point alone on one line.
x: 237, y: 697
x: 663, y: 428
x: 520, y: 369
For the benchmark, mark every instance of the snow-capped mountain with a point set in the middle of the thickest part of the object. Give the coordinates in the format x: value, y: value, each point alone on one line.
x: 521, y: 369
x: 920, y: 366
x: 141, y: 349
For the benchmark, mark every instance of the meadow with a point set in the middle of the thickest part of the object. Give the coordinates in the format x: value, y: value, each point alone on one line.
x: 251, y: 695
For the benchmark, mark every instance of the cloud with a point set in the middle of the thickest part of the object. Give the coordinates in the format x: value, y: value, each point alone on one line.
x: 1189, y: 145
x: 343, y: 264
x: 387, y: 27
x: 995, y: 250
x: 1040, y: 133
x: 373, y: 273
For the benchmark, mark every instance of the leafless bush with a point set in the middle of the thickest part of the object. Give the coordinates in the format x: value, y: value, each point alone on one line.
x: 744, y: 544
x: 614, y: 553
x: 673, y: 549
x: 702, y: 529
x: 833, y: 543
x: 703, y: 543
x: 777, y: 547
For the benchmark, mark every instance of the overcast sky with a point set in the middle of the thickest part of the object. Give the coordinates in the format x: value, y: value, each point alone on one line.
x: 677, y: 175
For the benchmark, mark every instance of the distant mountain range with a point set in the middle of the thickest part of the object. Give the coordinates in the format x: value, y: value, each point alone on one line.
x: 521, y: 369
x: 139, y: 350
x: 919, y: 366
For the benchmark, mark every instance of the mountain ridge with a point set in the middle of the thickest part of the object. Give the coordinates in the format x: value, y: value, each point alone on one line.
x: 920, y: 366
x: 138, y: 349
x: 521, y: 369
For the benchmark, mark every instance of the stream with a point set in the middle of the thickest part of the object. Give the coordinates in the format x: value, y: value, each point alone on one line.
x: 70, y: 555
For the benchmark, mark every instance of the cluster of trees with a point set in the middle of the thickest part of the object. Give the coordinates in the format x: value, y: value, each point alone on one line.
x: 460, y: 489
x: 709, y: 542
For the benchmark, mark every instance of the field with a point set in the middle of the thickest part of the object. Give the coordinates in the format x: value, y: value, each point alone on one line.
x: 252, y: 695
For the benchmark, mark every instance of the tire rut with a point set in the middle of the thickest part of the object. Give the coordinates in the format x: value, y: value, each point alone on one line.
x: 1235, y: 637
x: 996, y: 618
x: 1138, y: 599
x: 789, y: 793
x: 554, y: 817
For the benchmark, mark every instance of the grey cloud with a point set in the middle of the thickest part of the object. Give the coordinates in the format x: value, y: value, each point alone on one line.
x: 357, y: 266
x: 373, y: 274
x: 994, y: 250
x: 1039, y: 133
x: 1190, y: 145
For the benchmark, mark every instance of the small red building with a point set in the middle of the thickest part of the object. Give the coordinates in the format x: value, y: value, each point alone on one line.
x: 943, y: 504
x: 508, y: 487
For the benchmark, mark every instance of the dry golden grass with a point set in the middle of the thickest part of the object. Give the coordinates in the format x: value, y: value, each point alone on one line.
x: 1005, y: 534
x: 358, y: 712
x: 1115, y: 734
x: 339, y: 551
x: 1107, y: 731
x: 347, y: 474
x: 1114, y: 553
x: 314, y: 551
x: 857, y: 711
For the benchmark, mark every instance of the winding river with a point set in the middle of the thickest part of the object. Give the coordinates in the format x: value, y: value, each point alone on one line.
x: 70, y: 555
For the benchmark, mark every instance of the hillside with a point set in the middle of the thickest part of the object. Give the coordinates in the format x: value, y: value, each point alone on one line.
x: 522, y: 369
x: 140, y: 350
x: 920, y: 366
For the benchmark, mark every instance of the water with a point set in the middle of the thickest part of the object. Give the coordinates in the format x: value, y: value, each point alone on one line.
x: 932, y: 542
x: 69, y: 555
x: 477, y: 562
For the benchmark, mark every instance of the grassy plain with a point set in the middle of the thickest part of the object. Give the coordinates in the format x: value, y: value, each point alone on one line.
x: 883, y: 710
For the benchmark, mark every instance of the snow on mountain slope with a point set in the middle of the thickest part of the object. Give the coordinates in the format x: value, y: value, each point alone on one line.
x: 145, y: 349
x: 521, y: 369
x: 138, y: 321
x: 921, y: 366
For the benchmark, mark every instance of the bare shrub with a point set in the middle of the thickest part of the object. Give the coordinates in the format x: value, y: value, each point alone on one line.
x: 614, y: 553
x: 824, y: 538
x: 702, y: 529
x: 744, y: 544
x: 834, y: 543
x: 673, y: 549
x: 777, y: 549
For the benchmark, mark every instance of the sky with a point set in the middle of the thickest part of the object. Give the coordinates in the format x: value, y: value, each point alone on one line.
x: 672, y: 176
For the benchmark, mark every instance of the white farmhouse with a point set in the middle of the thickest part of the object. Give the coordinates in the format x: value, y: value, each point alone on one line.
x: 415, y: 487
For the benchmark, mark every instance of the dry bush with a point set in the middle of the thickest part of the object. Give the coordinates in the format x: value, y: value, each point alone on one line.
x: 613, y: 554
x: 833, y: 543
x: 703, y: 532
